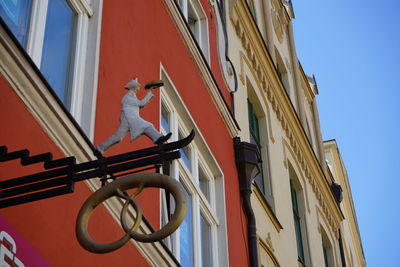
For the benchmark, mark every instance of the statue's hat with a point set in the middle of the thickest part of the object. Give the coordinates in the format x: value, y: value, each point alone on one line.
x: 132, y: 84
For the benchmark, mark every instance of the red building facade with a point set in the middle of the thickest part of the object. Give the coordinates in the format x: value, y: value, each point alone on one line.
x: 46, y: 110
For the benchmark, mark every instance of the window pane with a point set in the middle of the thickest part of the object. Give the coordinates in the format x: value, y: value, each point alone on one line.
x: 299, y: 238
x: 253, y: 124
x: 206, y: 245
x: 185, y: 153
x: 186, y: 235
x: 193, y: 22
x: 204, y: 183
x: 297, y: 223
x: 57, y: 47
x: 164, y: 118
x: 259, y: 180
x: 16, y: 15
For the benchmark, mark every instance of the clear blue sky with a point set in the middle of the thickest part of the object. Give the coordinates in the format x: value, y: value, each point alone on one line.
x: 353, y: 48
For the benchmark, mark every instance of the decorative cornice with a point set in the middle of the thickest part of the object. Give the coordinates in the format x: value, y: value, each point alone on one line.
x: 202, y: 66
x: 272, y: 87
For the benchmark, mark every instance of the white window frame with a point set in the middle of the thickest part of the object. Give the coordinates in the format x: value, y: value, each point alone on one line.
x: 298, y: 187
x: 179, y: 118
x: 85, y: 60
x: 193, y: 8
x: 327, y: 244
x: 263, y: 124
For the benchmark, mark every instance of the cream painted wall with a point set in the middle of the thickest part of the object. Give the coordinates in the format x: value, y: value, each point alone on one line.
x: 286, y: 140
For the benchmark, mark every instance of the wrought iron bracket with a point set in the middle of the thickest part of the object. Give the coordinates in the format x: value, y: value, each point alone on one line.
x: 61, y: 174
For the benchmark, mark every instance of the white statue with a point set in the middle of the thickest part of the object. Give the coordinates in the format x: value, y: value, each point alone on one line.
x: 130, y: 119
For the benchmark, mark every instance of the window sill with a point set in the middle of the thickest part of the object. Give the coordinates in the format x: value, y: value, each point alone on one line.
x: 271, y: 214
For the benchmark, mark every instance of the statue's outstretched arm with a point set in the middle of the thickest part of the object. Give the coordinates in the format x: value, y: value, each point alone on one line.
x: 146, y: 99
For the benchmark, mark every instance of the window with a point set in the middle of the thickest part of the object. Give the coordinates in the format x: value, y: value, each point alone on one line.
x: 185, y: 153
x: 186, y: 235
x: 165, y: 120
x: 57, y: 34
x: 197, y: 22
x: 255, y: 139
x: 16, y: 15
x: 201, y: 238
x: 53, y: 49
x: 297, y: 223
x: 282, y: 72
x: 326, y: 249
x: 57, y: 47
x: 259, y: 137
x: 196, y: 229
x: 204, y: 181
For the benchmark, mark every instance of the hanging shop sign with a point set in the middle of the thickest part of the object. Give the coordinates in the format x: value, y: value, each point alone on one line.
x: 125, y: 171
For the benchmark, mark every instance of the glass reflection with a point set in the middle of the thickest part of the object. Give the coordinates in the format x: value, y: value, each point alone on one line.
x: 16, y: 14
x: 58, y: 46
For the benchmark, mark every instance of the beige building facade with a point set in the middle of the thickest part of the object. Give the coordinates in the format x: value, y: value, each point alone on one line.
x: 300, y: 218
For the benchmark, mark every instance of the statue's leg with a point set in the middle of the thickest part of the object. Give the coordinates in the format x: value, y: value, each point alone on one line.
x: 155, y: 135
x: 152, y: 133
x: 116, y: 137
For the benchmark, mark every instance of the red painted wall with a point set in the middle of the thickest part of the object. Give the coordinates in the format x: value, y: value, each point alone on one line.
x: 136, y: 37
x: 49, y: 225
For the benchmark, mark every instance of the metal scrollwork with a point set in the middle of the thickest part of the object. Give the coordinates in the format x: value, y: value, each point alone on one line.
x: 118, y: 189
x: 59, y: 176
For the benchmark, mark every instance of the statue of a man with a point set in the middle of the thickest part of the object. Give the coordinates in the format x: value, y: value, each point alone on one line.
x: 130, y: 119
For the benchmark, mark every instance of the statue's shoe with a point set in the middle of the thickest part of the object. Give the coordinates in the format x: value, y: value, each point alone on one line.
x: 163, y: 139
x: 98, y: 153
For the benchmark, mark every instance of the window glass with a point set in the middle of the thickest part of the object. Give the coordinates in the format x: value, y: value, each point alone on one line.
x: 205, y: 230
x: 57, y: 47
x: 193, y: 21
x: 185, y: 153
x: 255, y: 139
x: 16, y: 15
x: 204, y: 183
x: 196, y: 19
x: 186, y: 235
x: 253, y: 124
x: 297, y: 223
x: 164, y: 118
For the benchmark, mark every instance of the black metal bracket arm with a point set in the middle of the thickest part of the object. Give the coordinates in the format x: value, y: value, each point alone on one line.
x: 61, y: 174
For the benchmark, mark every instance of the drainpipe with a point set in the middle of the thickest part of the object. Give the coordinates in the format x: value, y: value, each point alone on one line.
x: 247, y: 157
x: 230, y: 68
